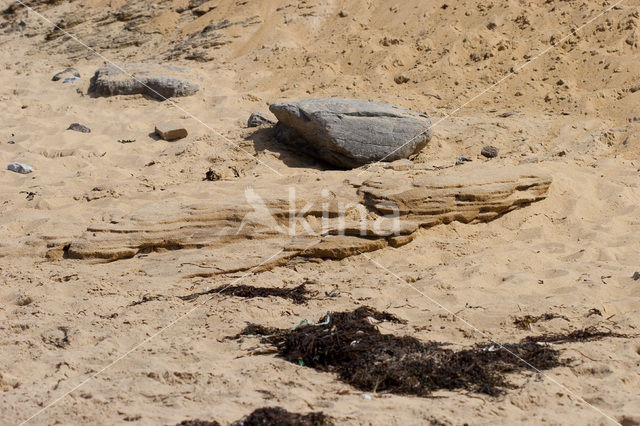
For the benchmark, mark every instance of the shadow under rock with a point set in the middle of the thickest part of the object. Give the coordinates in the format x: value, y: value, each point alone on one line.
x: 264, y: 140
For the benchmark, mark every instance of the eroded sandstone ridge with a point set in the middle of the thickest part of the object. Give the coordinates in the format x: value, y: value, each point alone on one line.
x: 340, y: 216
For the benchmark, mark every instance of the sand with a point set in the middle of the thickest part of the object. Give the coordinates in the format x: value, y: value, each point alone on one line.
x: 69, y: 322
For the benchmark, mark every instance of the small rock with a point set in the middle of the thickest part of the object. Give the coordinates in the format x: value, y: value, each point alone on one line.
x: 24, y: 300
x: 256, y: 120
x: 634, y: 119
x: 212, y: 175
x: 69, y: 73
x: 636, y: 276
x: 79, y: 128
x: 462, y: 159
x: 489, y: 151
x: 20, y: 168
x: 509, y: 114
x: 343, y: 14
x: 171, y: 131
x: 529, y: 161
x: 401, y: 79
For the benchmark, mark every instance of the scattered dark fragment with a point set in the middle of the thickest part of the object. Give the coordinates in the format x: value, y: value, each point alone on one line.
x: 211, y: 175
x: 489, y: 151
x: 351, y: 346
x: 525, y: 322
x: 198, y: 423
x: 594, y: 311
x: 126, y: 140
x: 636, y: 276
x: 588, y: 334
x: 276, y: 416
x: 146, y: 298
x: 79, y: 128
x: 298, y: 295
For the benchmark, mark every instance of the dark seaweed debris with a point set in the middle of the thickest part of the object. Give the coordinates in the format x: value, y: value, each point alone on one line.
x: 198, y: 423
x: 351, y: 346
x: 276, y: 416
x: 271, y: 416
x: 297, y: 295
x: 525, y: 322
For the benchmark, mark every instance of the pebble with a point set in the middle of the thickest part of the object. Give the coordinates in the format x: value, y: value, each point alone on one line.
x: 79, y: 128
x: 256, y: 120
x: 69, y: 73
x: 509, y: 114
x: 636, y: 276
x: 171, y: 131
x: 489, y: 151
x: 462, y: 159
x: 20, y: 168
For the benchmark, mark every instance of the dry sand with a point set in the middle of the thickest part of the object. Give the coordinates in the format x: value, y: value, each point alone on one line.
x: 579, y: 116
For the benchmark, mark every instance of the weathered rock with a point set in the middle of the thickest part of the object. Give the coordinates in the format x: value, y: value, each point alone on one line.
x: 69, y: 73
x: 20, y: 168
x: 79, y: 128
x: 158, y: 81
x: 489, y: 151
x: 349, y: 133
x: 171, y: 131
x: 256, y: 120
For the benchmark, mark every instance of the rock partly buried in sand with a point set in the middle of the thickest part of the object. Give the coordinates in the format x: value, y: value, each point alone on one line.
x: 68, y: 74
x: 157, y: 81
x: 79, y: 128
x: 170, y: 131
x: 350, y: 133
x: 257, y: 119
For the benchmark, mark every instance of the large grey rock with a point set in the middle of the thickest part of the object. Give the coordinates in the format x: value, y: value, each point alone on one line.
x: 158, y: 81
x: 349, y: 133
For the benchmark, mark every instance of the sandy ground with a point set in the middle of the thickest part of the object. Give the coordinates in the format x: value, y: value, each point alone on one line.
x: 64, y: 321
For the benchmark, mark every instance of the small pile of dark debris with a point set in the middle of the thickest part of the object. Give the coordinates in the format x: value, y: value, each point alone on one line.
x: 526, y: 321
x: 298, y: 295
x: 272, y: 416
x: 350, y: 345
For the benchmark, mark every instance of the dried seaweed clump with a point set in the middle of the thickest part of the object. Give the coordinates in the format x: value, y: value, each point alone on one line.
x: 350, y: 345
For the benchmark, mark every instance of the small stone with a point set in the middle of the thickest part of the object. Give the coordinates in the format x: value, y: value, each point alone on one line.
x: 24, y: 300
x: 256, y: 120
x: 69, y: 73
x: 509, y: 113
x: 212, y: 175
x: 462, y: 159
x: 343, y: 14
x: 401, y: 79
x: 20, y: 168
x: 489, y: 151
x: 529, y: 161
x: 79, y: 128
x: 171, y: 131
x: 636, y: 276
